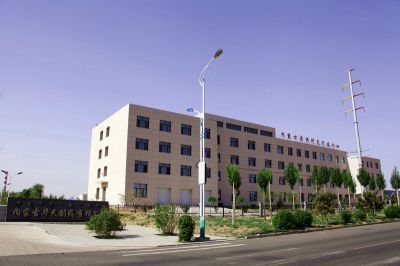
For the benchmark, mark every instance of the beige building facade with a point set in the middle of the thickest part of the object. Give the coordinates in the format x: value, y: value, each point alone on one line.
x: 153, y: 154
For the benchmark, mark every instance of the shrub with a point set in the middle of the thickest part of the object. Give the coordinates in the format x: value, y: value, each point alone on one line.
x: 185, y: 208
x: 302, y: 219
x: 283, y: 220
x: 106, y: 223
x: 165, y: 218
x: 392, y: 212
x: 324, y: 204
x: 360, y: 215
x: 345, y: 216
x: 370, y: 203
x: 186, y: 227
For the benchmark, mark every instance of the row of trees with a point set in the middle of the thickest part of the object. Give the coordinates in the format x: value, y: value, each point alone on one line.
x: 34, y: 192
x: 320, y: 177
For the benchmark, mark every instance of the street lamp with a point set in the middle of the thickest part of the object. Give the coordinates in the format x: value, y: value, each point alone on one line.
x: 8, y: 183
x: 202, y: 164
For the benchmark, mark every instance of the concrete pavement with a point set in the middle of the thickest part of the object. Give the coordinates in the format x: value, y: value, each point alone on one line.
x: 41, y: 238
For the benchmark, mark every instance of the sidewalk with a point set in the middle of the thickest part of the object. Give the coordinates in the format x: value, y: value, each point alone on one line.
x: 40, y: 238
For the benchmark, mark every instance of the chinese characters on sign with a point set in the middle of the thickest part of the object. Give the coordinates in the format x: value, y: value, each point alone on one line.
x: 50, y: 210
x: 308, y: 140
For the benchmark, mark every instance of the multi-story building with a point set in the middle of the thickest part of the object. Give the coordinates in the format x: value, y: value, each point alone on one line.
x: 153, y: 154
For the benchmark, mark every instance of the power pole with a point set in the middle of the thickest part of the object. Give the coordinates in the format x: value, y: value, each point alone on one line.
x: 354, y: 110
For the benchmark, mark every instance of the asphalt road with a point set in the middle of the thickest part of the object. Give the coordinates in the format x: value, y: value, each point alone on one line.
x: 365, y: 245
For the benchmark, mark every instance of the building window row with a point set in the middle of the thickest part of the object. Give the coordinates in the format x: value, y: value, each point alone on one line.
x: 107, y: 133
x: 165, y: 169
x: 105, y: 152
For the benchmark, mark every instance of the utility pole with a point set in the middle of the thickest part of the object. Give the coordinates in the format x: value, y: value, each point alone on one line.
x: 354, y: 110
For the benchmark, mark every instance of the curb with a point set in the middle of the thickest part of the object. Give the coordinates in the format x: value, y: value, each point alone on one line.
x: 314, y: 230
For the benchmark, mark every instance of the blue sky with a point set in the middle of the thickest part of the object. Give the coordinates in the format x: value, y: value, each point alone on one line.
x: 66, y: 65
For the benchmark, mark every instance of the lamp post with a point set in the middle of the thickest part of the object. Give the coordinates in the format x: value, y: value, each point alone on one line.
x: 202, y: 164
x: 8, y: 183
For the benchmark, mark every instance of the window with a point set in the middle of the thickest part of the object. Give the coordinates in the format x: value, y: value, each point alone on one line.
x: 376, y: 165
x: 219, y: 157
x: 142, y: 144
x: 267, y: 147
x: 107, y: 131
x: 219, y: 195
x: 142, y: 122
x: 105, y: 171
x: 106, y: 152
x: 207, y: 152
x: 220, y: 124
x: 268, y: 163
x: 308, y: 168
x: 234, y: 142
x: 301, y: 182
x: 266, y: 133
x: 251, y: 145
x: 98, y: 173
x: 300, y: 167
x: 165, y: 126
x: 252, y: 178
x: 186, y: 150
x: 208, y: 172
x: 252, y: 161
x: 186, y: 170
x: 234, y: 159
x: 337, y: 159
x: 314, y: 155
x: 207, y: 133
x: 322, y: 156
x: 233, y: 127
x: 218, y: 139
x: 101, y: 135
x: 308, y: 182
x: 97, y: 193
x: 141, y: 166
x: 253, y: 196
x: 164, y: 168
x: 281, y: 165
x: 251, y: 130
x: 164, y: 147
x: 186, y: 130
x: 279, y: 149
x: 367, y: 164
x: 100, y: 152
x: 140, y: 190
x: 219, y: 175
x: 307, y: 154
x: 298, y: 152
x: 282, y: 180
x: 343, y: 160
x: 290, y: 151
x: 330, y: 157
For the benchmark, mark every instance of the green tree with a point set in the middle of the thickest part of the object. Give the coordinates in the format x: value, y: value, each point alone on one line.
x: 347, y: 181
x: 240, y: 201
x: 395, y: 182
x: 291, y: 177
x: 372, y: 183
x: 213, y: 202
x: 36, y: 191
x: 324, y: 176
x: 315, y: 180
x: 300, y: 180
x: 381, y: 184
x: 352, y: 186
x: 337, y: 180
x: 264, y: 180
x: 363, y: 177
x: 232, y: 171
